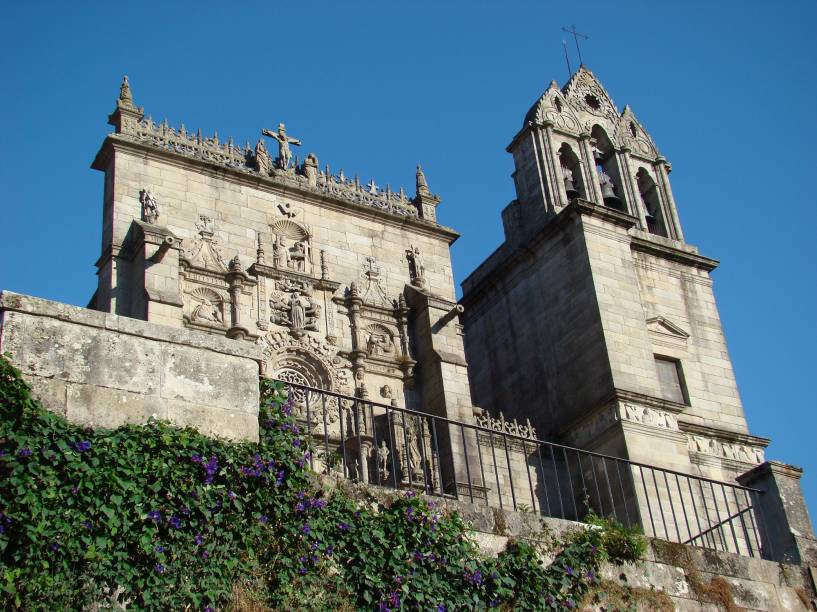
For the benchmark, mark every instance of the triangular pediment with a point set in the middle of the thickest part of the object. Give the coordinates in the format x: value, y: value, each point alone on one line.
x: 631, y: 132
x: 553, y: 107
x: 664, y: 326
x: 590, y: 100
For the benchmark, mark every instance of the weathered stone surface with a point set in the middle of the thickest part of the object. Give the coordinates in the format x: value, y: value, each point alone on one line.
x: 105, y: 370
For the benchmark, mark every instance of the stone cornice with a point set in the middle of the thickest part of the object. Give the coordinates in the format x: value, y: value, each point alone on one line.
x: 723, y: 434
x: 652, y: 247
x: 280, y: 183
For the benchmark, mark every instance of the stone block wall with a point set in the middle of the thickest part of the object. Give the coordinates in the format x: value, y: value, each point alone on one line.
x: 104, y: 370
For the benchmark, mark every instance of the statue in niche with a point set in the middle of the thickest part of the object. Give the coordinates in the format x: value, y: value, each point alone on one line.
x: 379, y: 343
x: 284, y: 152
x: 207, y: 311
x: 383, y: 460
x: 280, y: 254
x: 150, y: 206
x: 297, y: 314
x: 297, y: 256
x: 415, y: 458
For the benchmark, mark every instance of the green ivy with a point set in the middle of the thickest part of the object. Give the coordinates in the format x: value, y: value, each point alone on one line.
x: 165, y: 518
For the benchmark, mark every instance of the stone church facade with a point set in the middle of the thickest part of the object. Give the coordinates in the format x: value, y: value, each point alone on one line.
x: 595, y: 318
x: 340, y: 283
x: 593, y: 325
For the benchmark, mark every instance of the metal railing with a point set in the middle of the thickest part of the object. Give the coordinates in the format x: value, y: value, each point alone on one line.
x: 395, y: 447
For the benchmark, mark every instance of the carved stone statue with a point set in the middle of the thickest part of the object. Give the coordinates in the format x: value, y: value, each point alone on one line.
x: 284, y: 152
x: 415, y: 458
x: 262, y: 159
x: 310, y: 170
x: 297, y: 256
x: 297, y: 314
x: 417, y: 269
x: 280, y: 254
x: 383, y: 460
x: 379, y: 344
x: 150, y: 206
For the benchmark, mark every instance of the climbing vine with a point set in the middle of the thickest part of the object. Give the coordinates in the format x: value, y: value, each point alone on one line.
x: 161, y: 518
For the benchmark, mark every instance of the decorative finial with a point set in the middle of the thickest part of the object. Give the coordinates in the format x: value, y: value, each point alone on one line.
x: 422, y: 185
x: 124, y: 92
x: 235, y: 264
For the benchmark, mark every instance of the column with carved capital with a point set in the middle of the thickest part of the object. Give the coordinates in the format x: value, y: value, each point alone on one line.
x: 662, y: 169
x: 592, y: 186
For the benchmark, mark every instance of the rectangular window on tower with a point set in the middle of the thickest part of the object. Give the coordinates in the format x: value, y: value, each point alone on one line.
x: 671, y: 379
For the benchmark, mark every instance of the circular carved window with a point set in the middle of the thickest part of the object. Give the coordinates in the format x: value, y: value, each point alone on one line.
x: 592, y: 101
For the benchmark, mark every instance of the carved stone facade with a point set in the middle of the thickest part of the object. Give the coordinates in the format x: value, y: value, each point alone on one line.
x: 595, y: 319
x: 310, y: 265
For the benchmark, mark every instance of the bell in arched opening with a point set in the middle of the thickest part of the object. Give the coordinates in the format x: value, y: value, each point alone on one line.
x: 571, y: 173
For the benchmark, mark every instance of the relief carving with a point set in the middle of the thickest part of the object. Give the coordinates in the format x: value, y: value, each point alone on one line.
x: 292, y: 246
x: 649, y: 416
x: 373, y: 276
x: 205, y: 307
x: 292, y: 305
x: 203, y: 250
x: 380, y: 341
x: 726, y: 450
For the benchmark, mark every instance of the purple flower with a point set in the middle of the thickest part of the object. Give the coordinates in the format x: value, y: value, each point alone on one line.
x: 279, y: 478
x: 159, y: 548
x: 441, y: 608
x: 230, y: 495
x: 569, y: 570
x: 300, y: 507
x: 329, y: 550
x: 198, y: 540
x: 87, y: 525
x: 175, y: 522
x: 24, y: 452
x: 54, y: 547
x: 160, y: 569
x: 208, y: 609
x: 570, y: 604
x: 263, y: 519
x: 306, y: 528
x: 82, y: 446
x: 74, y: 490
x: 155, y: 516
x: 591, y: 576
x: 296, y: 443
x: 205, y: 555
x: 195, y: 458
x: 344, y: 526
x: 474, y: 578
x: 302, y: 571
x: 319, y: 503
x: 410, y: 494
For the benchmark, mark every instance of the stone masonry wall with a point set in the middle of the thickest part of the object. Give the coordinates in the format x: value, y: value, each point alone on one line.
x: 104, y: 370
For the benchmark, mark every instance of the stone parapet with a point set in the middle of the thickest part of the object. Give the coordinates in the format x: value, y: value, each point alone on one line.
x: 106, y: 370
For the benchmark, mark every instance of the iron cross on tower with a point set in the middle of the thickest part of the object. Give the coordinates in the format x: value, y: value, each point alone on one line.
x: 576, y: 37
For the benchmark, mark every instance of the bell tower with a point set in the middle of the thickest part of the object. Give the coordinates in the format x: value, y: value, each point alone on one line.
x: 595, y: 318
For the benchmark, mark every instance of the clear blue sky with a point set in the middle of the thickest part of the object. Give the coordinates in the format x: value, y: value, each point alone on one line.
x: 727, y: 90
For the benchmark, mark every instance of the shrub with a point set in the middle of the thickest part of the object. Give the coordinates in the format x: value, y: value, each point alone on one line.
x: 165, y: 518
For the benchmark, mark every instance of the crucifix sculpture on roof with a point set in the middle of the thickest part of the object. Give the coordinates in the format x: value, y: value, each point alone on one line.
x: 284, y: 152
